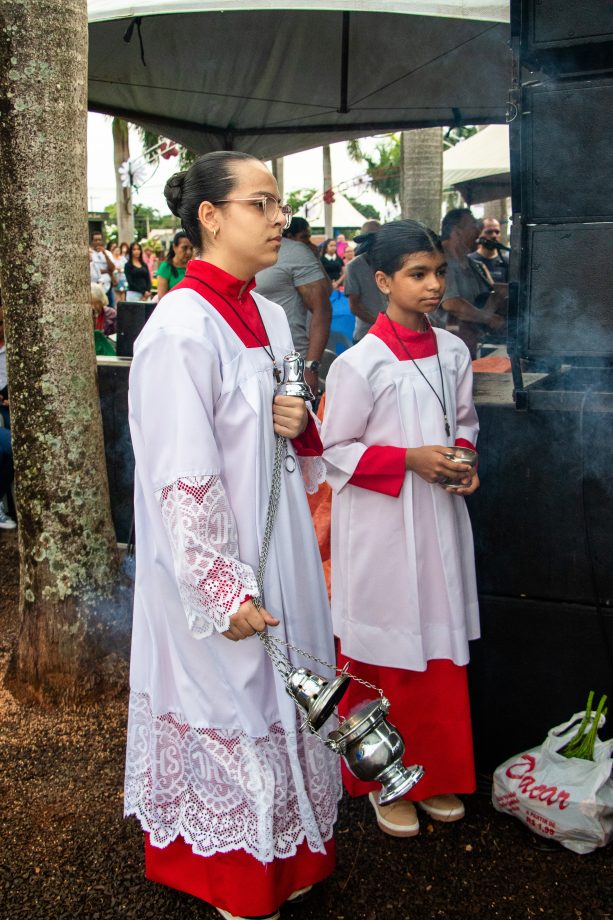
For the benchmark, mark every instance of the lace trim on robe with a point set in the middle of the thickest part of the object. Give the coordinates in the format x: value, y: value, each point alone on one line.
x: 313, y: 469
x: 223, y: 790
x: 212, y: 580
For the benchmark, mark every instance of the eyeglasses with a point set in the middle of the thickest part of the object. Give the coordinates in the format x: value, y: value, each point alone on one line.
x: 270, y: 207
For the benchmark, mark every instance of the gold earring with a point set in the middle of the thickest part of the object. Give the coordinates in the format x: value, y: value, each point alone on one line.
x: 215, y: 232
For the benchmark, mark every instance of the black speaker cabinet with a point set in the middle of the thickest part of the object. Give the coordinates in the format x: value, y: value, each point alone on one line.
x: 555, y: 24
x: 113, y: 374
x: 131, y: 317
x: 565, y: 299
x: 566, y: 151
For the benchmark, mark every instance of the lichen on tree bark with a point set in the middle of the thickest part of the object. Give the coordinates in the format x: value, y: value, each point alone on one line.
x: 67, y: 544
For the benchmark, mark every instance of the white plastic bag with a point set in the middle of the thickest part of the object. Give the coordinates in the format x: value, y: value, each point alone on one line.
x: 566, y: 799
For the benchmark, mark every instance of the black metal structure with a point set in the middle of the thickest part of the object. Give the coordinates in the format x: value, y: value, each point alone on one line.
x: 561, y: 309
x: 542, y: 519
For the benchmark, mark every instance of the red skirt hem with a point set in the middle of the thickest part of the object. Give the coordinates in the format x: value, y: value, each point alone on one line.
x: 431, y: 710
x: 237, y: 881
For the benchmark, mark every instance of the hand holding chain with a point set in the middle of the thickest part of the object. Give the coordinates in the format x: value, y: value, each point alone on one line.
x: 372, y: 746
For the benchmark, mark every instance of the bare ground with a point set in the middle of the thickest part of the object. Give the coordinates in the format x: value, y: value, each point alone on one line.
x: 66, y: 851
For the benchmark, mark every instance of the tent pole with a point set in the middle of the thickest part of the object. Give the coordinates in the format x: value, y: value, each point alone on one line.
x: 345, y: 63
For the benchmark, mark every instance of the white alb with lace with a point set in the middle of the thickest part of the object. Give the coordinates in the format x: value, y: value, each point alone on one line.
x: 214, y: 755
x: 212, y: 580
x: 223, y: 790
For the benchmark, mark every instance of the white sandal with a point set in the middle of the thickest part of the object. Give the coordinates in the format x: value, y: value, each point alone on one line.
x: 228, y: 916
x: 448, y: 808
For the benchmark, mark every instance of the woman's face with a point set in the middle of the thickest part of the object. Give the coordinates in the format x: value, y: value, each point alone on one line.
x: 183, y: 252
x: 124, y: 249
x: 349, y: 254
x: 136, y: 252
x: 331, y: 248
x: 247, y: 239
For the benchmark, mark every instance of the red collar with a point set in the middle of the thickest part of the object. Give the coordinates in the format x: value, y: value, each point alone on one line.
x: 222, y: 290
x: 224, y: 283
x: 418, y: 344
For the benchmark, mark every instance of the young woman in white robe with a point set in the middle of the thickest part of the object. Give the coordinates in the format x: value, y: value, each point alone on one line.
x: 404, y: 599
x: 237, y: 805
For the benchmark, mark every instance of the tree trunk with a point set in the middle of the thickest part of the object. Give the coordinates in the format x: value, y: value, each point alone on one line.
x: 421, y: 174
x: 278, y: 172
x: 71, y: 629
x: 327, y: 185
x: 121, y: 153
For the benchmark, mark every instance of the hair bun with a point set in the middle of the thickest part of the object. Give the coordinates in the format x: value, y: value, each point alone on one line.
x: 365, y: 242
x: 173, y: 192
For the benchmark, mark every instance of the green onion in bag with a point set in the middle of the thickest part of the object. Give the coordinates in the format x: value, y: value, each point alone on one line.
x: 582, y: 743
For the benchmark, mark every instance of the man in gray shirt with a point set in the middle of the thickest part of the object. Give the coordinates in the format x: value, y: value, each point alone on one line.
x: 365, y: 299
x: 298, y: 283
x: 467, y: 303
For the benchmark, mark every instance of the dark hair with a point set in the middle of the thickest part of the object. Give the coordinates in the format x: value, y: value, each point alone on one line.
x: 208, y: 179
x: 453, y: 219
x: 131, y: 249
x: 388, y: 249
x: 179, y: 235
x: 297, y: 225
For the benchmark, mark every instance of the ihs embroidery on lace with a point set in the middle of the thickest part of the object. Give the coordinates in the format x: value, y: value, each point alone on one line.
x: 212, y: 580
x: 224, y: 791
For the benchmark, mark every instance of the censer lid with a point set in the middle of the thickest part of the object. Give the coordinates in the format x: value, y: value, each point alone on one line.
x: 360, y: 722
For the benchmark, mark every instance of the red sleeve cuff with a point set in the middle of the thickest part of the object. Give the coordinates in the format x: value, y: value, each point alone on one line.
x: 381, y: 469
x: 462, y: 442
x: 308, y: 444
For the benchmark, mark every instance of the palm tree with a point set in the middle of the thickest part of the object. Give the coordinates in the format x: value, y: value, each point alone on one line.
x: 123, y: 196
x: 383, y: 167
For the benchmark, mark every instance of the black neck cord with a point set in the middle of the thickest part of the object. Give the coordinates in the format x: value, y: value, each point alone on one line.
x: 443, y: 401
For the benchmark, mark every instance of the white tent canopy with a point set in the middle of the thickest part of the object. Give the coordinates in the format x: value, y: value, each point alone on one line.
x: 273, y: 78
x: 493, y: 10
x: 480, y: 167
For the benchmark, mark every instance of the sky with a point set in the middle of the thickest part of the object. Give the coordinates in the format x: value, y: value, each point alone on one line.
x: 302, y: 170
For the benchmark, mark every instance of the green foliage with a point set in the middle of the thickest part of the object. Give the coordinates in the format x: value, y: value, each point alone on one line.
x: 154, y: 245
x: 383, y: 166
x: 186, y: 157
x: 582, y: 743
x: 368, y: 211
x: 299, y: 197
x: 454, y: 135
x: 145, y: 218
x: 150, y: 139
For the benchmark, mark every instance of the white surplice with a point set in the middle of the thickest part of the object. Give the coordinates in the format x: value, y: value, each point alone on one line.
x: 214, y: 754
x: 403, y: 572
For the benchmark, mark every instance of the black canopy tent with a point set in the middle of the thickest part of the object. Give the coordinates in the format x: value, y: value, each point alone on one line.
x: 272, y: 81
